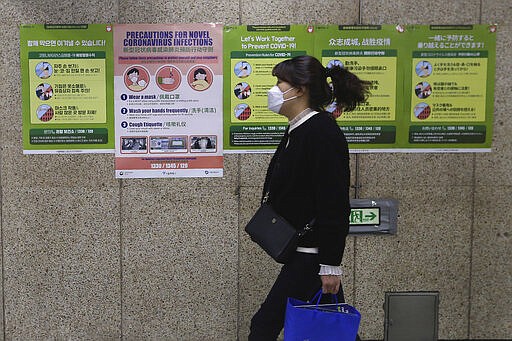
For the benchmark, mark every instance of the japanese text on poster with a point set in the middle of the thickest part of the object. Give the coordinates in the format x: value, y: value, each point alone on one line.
x: 451, y: 87
x: 431, y: 86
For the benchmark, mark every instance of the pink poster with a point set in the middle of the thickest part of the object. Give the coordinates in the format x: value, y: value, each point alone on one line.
x: 168, y: 100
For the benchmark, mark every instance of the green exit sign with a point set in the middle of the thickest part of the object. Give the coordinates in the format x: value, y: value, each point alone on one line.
x: 365, y: 216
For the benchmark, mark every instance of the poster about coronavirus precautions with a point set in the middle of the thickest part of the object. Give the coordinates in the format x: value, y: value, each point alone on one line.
x: 250, y: 53
x: 374, y: 54
x: 450, y: 87
x: 67, y: 88
x: 168, y: 100
x: 431, y: 86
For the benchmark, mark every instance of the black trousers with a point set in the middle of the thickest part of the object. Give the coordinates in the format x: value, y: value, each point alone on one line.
x: 298, y: 279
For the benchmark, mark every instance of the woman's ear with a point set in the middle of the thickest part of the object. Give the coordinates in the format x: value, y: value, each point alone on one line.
x: 302, y: 90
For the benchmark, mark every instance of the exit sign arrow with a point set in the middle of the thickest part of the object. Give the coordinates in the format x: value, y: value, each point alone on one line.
x: 365, y: 216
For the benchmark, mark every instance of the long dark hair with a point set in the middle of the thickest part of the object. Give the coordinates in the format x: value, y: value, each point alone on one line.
x: 306, y: 71
x: 198, y: 71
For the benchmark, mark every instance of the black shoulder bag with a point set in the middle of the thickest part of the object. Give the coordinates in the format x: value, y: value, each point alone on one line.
x: 273, y: 233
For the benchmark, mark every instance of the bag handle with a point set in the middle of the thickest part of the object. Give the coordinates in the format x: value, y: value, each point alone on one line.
x: 318, y: 297
x: 340, y: 307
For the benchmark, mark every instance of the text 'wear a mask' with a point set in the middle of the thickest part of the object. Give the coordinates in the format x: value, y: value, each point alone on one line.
x: 276, y: 98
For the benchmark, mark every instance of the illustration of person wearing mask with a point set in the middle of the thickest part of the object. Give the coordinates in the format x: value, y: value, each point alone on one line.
x: 136, y: 84
x: 202, y: 144
x: 200, y: 80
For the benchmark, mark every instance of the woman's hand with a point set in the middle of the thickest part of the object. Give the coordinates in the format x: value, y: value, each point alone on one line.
x: 330, y: 284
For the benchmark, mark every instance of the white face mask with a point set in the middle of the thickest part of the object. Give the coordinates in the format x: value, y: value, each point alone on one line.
x: 276, y: 98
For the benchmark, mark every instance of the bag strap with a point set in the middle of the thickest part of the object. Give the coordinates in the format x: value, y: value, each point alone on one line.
x: 272, y: 165
x: 308, y: 227
x: 266, y: 190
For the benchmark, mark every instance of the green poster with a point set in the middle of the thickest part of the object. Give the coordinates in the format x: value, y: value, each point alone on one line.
x: 450, y: 87
x: 67, y: 87
x: 373, y: 53
x: 250, y: 53
x: 432, y: 87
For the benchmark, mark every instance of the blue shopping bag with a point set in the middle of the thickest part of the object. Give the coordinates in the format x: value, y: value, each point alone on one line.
x: 312, y: 321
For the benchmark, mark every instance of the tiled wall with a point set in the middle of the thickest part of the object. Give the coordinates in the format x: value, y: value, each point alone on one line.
x: 89, y: 257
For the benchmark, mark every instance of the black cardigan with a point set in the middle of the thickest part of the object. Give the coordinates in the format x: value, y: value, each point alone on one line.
x: 310, y: 178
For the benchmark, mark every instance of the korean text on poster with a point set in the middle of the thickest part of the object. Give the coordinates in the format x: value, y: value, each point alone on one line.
x: 67, y: 81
